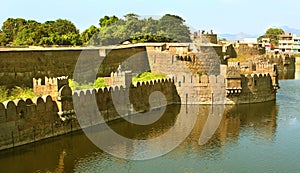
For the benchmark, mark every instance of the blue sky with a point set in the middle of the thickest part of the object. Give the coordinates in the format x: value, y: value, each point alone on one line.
x: 223, y: 16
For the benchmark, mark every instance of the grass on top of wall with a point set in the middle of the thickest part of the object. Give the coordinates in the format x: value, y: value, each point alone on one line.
x: 98, y: 83
x: 25, y: 93
x: 147, y: 76
x: 15, y: 93
x: 240, y: 58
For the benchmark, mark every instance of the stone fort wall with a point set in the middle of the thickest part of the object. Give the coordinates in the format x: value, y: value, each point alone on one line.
x: 285, y: 64
x: 26, y: 121
x: 249, y: 49
x: 196, y: 77
x: 19, y: 67
x: 189, y: 83
x: 255, y: 88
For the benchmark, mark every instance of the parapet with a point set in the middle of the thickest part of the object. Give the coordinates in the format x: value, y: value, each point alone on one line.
x: 119, y: 78
x: 50, y: 87
x: 234, y: 64
x: 21, y: 109
x: 233, y: 72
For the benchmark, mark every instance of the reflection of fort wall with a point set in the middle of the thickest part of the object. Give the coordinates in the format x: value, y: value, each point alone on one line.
x: 258, y: 119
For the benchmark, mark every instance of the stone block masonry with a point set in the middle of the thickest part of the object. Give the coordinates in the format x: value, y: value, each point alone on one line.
x: 19, y: 66
x: 27, y: 121
x: 202, y: 78
x: 195, y: 78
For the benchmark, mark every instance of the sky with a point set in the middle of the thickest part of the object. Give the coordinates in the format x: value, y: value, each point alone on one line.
x: 223, y: 16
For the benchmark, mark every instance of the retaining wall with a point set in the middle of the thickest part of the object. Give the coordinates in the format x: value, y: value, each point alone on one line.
x: 27, y: 121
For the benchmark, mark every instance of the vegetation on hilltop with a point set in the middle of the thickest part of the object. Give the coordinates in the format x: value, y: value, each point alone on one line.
x: 29, y: 32
x: 111, y: 30
x: 272, y: 34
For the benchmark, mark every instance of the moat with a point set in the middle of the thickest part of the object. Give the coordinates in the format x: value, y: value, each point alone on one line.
x: 250, y: 138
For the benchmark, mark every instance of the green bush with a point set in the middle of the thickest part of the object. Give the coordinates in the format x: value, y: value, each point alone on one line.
x: 147, y: 76
x: 3, y: 94
x: 15, y: 93
x: 98, y: 83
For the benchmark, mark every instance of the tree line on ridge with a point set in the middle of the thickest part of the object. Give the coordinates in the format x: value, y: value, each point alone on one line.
x: 111, y: 30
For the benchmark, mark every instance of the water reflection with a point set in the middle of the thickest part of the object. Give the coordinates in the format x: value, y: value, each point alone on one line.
x: 257, y: 119
x: 297, y: 73
x: 288, y: 72
x: 76, y: 152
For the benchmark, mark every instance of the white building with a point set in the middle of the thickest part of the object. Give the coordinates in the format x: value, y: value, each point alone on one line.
x: 249, y: 41
x: 265, y: 42
x: 289, y: 43
x: 285, y: 43
x: 296, y: 44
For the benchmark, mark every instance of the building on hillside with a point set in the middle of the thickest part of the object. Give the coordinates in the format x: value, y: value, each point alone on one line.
x: 296, y: 44
x: 289, y: 43
x: 265, y: 42
x: 285, y: 43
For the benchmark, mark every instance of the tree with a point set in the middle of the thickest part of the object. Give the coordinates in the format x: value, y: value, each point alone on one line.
x: 112, y: 30
x: 2, y: 38
x: 63, y: 27
x: 112, y: 34
x: 131, y: 16
x: 29, y: 32
x: 106, y: 21
x: 59, y: 32
x: 172, y: 26
x: 151, y: 25
x: 89, y: 36
x: 27, y: 36
x: 273, y: 34
x: 11, y: 27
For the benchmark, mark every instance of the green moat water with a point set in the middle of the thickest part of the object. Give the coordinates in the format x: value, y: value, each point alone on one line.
x: 250, y: 138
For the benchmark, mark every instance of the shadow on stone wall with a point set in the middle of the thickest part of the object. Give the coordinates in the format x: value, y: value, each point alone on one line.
x: 23, y: 122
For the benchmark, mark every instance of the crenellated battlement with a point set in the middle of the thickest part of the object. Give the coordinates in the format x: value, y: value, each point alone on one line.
x: 49, y: 86
x: 28, y: 109
x: 233, y: 64
x: 47, y: 82
x: 188, y: 83
x: 233, y: 72
x: 122, y: 78
x: 117, y: 88
x: 258, y: 75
